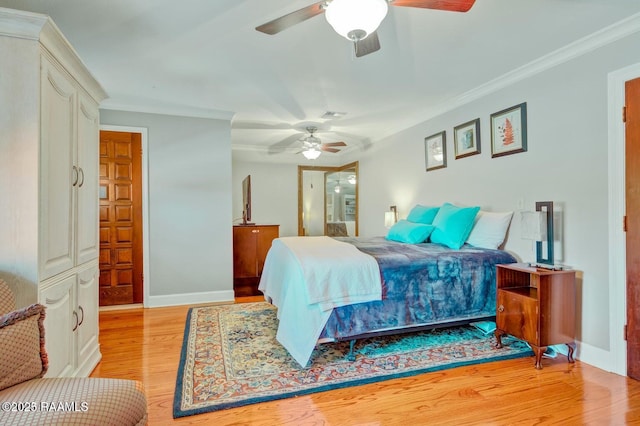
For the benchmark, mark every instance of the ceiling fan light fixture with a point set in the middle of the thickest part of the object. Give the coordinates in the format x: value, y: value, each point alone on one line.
x: 311, y: 153
x: 356, y: 19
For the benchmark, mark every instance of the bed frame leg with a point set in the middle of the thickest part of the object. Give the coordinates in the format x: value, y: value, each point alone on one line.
x: 351, y: 356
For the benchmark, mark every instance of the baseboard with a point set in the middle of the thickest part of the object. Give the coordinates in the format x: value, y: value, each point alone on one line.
x: 120, y: 307
x: 89, y: 364
x: 190, y: 298
x: 596, y: 357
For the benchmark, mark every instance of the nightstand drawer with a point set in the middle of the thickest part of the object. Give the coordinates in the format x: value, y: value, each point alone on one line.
x: 517, y: 313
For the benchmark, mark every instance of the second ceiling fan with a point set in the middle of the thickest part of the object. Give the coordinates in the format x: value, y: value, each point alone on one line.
x: 358, y: 20
x: 312, y: 146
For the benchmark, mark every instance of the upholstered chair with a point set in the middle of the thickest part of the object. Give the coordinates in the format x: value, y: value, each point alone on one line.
x: 29, y: 399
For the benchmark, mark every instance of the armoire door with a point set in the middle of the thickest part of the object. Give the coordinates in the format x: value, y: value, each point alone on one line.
x: 58, y: 172
x: 120, y: 218
x: 87, y: 187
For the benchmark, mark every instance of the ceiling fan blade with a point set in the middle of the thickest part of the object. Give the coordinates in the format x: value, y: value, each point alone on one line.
x: 449, y: 5
x: 291, y: 19
x: 326, y: 149
x: 334, y: 144
x: 282, y: 146
x: 368, y: 45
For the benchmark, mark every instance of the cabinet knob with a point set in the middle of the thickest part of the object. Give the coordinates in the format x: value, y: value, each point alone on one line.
x: 255, y: 231
x: 501, y: 308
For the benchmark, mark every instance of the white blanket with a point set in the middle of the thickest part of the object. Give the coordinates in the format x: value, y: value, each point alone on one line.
x: 306, y: 277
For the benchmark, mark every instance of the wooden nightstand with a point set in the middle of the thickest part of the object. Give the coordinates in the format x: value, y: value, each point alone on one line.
x: 536, y: 305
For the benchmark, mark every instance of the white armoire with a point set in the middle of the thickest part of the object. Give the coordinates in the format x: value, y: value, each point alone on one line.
x: 49, y: 143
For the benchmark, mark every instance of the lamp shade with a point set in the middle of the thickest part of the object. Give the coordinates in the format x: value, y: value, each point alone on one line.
x: 356, y: 19
x: 533, y: 226
x: 389, y: 219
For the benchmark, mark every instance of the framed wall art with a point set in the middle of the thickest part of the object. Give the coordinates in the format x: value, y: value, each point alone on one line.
x: 466, y: 139
x: 509, y: 131
x: 435, y: 147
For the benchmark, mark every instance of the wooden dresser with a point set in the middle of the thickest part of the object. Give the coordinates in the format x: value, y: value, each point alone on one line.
x: 250, y: 246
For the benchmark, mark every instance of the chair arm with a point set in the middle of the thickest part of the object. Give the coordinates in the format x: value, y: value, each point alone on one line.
x: 22, y: 353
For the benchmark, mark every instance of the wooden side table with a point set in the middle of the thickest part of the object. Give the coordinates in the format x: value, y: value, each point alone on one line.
x: 536, y: 305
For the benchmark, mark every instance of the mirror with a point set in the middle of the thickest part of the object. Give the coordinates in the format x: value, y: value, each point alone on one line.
x: 323, y: 210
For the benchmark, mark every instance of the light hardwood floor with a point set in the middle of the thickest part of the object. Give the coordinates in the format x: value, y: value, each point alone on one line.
x: 144, y: 344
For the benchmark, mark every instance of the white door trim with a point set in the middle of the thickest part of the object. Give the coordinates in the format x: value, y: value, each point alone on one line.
x: 617, y: 240
x: 143, y: 131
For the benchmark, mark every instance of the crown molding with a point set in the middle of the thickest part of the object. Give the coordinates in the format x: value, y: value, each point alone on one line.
x: 192, y: 112
x: 41, y: 28
x: 19, y: 24
x: 580, y: 47
x: 603, y: 37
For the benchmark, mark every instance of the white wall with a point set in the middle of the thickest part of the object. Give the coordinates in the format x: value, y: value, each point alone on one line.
x: 566, y: 162
x: 274, y: 194
x: 189, y: 186
x: 274, y: 191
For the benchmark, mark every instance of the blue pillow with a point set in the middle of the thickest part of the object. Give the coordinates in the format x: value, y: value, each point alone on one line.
x: 404, y: 231
x: 453, y: 224
x: 422, y: 214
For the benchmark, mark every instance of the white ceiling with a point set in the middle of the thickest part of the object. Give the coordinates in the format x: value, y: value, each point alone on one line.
x: 204, y: 58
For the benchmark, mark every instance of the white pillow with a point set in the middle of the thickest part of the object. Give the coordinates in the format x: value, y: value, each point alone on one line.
x: 489, y: 229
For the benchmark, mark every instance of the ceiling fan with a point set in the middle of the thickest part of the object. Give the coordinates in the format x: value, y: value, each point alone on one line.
x: 357, y: 20
x: 312, y: 146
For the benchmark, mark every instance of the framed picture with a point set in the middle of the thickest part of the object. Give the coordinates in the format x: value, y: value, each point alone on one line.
x: 509, y: 131
x: 466, y: 139
x: 435, y: 147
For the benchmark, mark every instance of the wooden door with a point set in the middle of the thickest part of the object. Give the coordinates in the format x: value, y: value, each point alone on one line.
x: 632, y: 167
x: 120, y: 218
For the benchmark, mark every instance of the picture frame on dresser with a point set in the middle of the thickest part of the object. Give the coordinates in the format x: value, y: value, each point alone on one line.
x: 466, y: 139
x: 509, y: 131
x: 435, y: 150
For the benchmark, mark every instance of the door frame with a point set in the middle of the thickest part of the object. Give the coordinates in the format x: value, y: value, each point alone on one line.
x: 325, y: 169
x: 143, y: 131
x: 617, y: 209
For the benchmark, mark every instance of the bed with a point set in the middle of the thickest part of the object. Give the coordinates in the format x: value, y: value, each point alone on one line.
x: 407, y: 287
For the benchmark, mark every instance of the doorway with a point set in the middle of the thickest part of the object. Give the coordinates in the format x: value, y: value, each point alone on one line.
x: 328, y: 200
x: 121, y: 218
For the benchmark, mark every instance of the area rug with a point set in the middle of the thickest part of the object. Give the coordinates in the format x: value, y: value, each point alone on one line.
x: 230, y: 357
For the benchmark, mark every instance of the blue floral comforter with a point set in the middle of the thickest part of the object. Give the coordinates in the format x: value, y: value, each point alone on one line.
x: 422, y: 284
